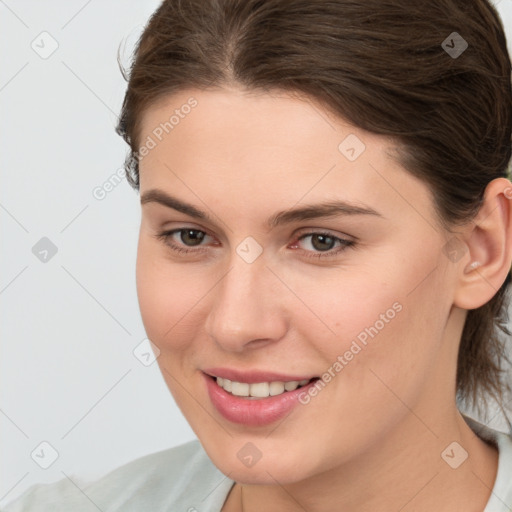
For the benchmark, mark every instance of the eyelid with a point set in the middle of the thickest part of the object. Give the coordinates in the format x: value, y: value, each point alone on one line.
x: 325, y: 231
x: 176, y: 231
x: 301, y: 232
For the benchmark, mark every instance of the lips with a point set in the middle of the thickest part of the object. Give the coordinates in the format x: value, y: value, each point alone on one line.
x: 253, y: 411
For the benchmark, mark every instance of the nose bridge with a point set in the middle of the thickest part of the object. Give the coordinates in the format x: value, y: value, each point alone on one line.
x: 243, y: 305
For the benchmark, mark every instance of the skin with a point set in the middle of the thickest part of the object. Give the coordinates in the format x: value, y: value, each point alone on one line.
x: 372, y: 438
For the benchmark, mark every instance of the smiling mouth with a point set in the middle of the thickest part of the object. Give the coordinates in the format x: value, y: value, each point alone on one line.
x: 260, y: 390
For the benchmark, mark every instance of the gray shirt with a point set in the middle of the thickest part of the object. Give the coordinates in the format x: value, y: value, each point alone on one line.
x: 183, y: 479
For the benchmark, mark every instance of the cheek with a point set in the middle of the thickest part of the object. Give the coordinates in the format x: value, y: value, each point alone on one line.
x: 351, y: 308
x: 166, y: 296
x: 377, y: 323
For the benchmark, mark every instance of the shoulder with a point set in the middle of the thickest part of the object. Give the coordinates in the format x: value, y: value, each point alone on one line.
x: 501, y: 495
x: 181, y: 477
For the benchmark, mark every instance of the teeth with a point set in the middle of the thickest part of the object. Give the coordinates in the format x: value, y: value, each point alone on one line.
x: 240, y: 388
x: 259, y: 389
x: 290, y: 386
x: 276, y: 388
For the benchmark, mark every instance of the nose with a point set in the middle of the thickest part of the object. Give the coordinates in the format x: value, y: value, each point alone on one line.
x: 248, y: 307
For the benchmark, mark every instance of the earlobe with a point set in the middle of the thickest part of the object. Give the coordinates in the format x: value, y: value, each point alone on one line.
x: 489, y: 241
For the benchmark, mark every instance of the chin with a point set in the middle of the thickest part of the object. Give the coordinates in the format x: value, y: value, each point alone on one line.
x: 261, y: 475
x: 266, y: 470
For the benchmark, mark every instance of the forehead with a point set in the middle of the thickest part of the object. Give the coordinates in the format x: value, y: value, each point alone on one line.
x: 275, y: 117
x: 270, y: 146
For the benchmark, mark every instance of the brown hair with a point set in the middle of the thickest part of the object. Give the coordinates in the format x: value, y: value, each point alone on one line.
x: 380, y: 64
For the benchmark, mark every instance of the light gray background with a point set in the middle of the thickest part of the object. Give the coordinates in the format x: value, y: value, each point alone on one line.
x: 70, y: 325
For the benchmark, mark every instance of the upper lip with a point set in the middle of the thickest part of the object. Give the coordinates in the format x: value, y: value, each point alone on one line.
x: 253, y: 376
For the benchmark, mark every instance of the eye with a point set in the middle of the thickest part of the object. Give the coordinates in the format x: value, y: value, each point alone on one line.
x: 187, y: 235
x: 324, y: 242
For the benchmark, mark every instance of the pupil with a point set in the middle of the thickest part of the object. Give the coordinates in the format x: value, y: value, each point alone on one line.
x: 194, y: 236
x: 322, y: 238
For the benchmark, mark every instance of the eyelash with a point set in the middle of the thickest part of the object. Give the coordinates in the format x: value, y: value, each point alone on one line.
x: 345, y: 244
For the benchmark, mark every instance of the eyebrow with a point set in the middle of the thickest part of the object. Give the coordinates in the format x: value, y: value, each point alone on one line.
x: 322, y: 210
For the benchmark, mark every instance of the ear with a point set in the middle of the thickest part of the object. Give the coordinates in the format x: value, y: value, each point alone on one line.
x: 489, y: 242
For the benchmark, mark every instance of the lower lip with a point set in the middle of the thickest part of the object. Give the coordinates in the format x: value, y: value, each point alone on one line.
x: 253, y: 412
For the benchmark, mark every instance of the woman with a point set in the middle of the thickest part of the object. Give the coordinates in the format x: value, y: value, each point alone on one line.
x: 324, y: 255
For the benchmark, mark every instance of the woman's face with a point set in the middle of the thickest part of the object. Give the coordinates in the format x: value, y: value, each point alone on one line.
x: 360, y: 298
